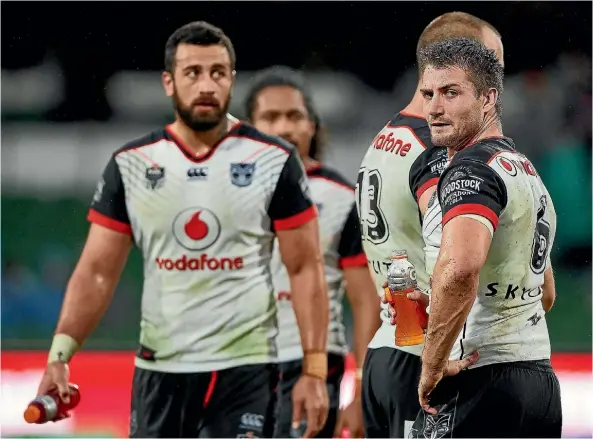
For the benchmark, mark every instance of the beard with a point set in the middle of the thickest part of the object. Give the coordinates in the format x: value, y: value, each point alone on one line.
x: 456, y: 137
x: 200, y: 122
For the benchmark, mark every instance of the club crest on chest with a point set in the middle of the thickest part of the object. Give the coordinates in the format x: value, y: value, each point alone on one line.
x: 242, y: 174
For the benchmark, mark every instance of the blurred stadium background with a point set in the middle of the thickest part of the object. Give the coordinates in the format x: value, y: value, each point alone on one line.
x: 79, y: 80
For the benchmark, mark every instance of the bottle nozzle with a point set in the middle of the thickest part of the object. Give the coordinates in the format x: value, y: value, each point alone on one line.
x: 32, y: 414
x: 399, y: 254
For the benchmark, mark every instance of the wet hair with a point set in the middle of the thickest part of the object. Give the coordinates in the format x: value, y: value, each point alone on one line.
x: 198, y: 33
x: 452, y: 25
x: 479, y: 63
x: 279, y: 76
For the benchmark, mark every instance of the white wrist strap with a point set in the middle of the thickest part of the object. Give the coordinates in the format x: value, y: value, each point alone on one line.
x: 62, y: 348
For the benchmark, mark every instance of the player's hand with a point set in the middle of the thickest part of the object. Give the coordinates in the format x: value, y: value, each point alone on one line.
x: 309, y: 402
x: 422, y: 301
x: 351, y: 419
x: 430, y: 378
x: 56, y: 377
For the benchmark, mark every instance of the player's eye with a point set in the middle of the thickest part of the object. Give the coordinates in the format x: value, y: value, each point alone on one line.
x: 427, y: 95
x: 296, y: 116
x: 218, y: 74
x: 191, y: 74
x: 269, y: 117
x: 451, y: 92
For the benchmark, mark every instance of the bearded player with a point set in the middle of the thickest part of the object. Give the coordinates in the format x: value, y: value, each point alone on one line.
x: 203, y: 199
x: 279, y: 103
x: 397, y: 177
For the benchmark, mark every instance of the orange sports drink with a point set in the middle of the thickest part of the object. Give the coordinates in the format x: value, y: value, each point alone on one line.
x: 401, y: 280
x: 50, y: 407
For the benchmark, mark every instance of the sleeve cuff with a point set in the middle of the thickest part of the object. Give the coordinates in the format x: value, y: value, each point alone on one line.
x: 359, y: 260
x: 427, y: 185
x: 109, y: 223
x: 472, y: 209
x: 297, y: 220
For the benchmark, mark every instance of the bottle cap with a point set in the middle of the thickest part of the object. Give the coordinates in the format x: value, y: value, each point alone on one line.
x: 399, y: 254
x: 32, y: 414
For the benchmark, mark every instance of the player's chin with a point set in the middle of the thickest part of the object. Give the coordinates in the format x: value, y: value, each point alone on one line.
x: 202, y: 112
x: 442, y: 140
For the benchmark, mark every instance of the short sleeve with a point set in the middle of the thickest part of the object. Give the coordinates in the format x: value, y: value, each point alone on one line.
x: 108, y: 208
x: 426, y: 170
x: 291, y: 204
x: 350, y: 245
x: 469, y: 187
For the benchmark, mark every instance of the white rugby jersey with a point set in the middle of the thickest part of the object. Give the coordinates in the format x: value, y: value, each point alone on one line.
x: 499, y: 187
x: 341, y: 248
x: 205, y: 226
x: 399, y: 166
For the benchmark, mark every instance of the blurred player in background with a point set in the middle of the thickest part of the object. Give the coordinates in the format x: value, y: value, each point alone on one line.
x: 279, y: 104
x: 397, y: 177
x: 203, y: 199
x: 498, y: 227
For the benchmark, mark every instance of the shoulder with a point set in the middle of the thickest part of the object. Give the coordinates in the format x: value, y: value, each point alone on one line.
x: 417, y: 125
x: 248, y: 131
x: 330, y: 175
x: 484, y: 151
x: 149, y: 139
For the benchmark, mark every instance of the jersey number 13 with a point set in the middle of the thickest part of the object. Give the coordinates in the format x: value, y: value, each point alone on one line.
x: 374, y: 227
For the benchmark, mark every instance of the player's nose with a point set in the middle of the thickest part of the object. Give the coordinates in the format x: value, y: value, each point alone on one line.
x: 285, y: 129
x: 435, y: 108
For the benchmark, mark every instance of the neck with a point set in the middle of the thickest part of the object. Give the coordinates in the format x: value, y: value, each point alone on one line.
x: 415, y: 106
x: 200, y: 142
x: 490, y: 127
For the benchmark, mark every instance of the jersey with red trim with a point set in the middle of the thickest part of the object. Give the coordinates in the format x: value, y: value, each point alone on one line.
x: 205, y: 227
x: 494, y: 184
x: 341, y: 248
x: 399, y: 166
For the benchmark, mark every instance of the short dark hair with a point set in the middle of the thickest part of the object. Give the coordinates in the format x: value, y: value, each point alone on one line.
x: 479, y: 62
x: 453, y: 25
x: 199, y: 33
x: 278, y: 76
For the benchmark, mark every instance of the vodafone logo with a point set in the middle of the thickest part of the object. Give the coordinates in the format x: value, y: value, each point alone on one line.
x: 196, y: 228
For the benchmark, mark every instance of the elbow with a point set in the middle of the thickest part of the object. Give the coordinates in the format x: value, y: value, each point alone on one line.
x: 460, y: 270
x: 92, y: 278
x: 296, y: 267
x: 456, y: 278
x: 548, y: 300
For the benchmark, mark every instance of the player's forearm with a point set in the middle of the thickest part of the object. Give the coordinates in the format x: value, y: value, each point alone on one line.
x: 366, y: 322
x: 87, y: 297
x: 311, y: 306
x: 453, y: 293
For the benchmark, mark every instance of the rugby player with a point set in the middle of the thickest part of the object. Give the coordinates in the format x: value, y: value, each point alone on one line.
x: 203, y: 199
x: 279, y: 103
x: 397, y: 177
x: 498, y: 227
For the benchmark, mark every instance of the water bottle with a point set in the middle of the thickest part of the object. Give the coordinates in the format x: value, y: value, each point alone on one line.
x: 50, y: 406
x: 401, y: 280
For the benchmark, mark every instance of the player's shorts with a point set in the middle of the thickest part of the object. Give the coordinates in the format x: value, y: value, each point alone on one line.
x: 520, y: 399
x: 290, y: 372
x: 231, y: 403
x: 389, y: 392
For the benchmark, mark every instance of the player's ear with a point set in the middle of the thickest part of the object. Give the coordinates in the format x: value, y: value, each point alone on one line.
x: 167, y: 79
x: 490, y: 98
